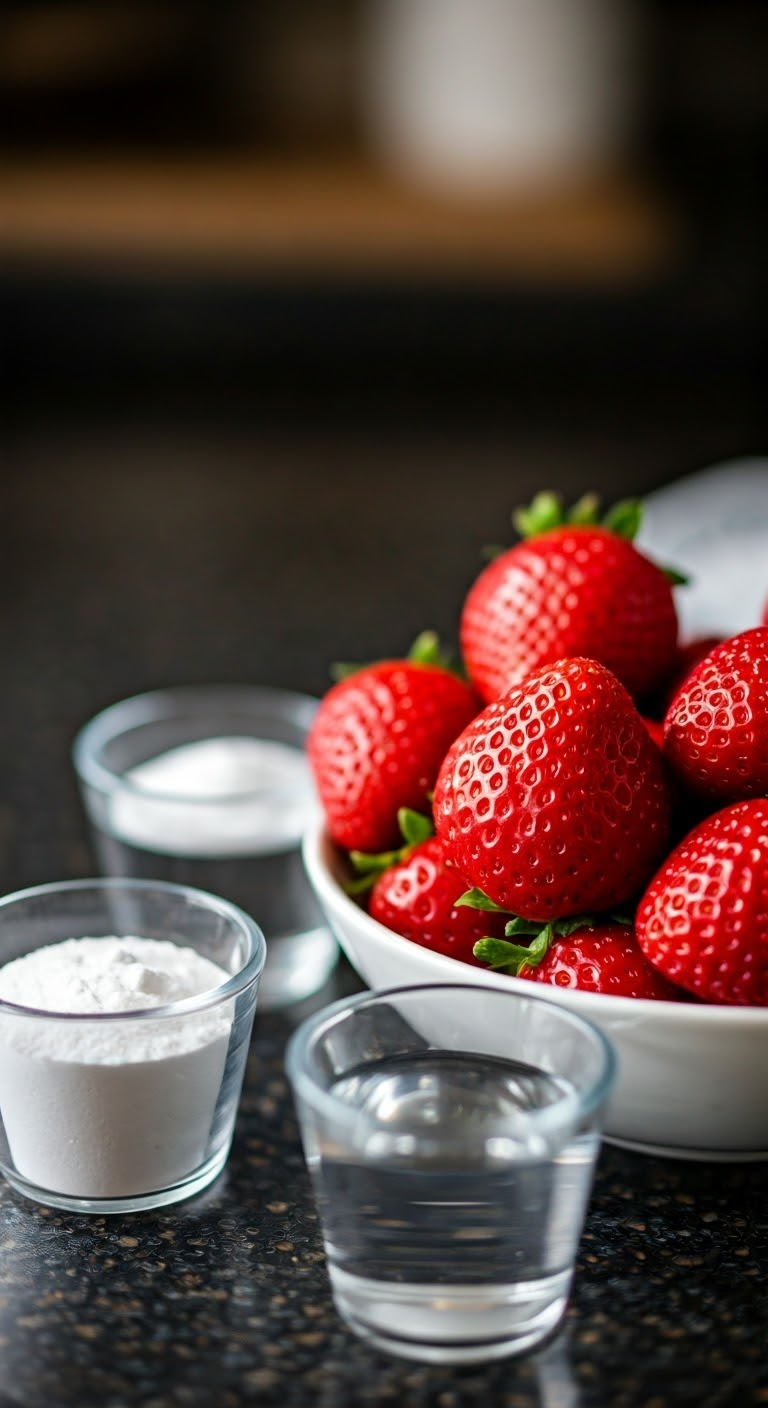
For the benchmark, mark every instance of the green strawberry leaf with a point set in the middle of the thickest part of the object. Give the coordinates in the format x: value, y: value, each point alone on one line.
x: 426, y: 650
x: 522, y: 926
x: 585, y: 510
x: 678, y: 579
x: 504, y: 957
x: 366, y: 862
x: 362, y: 883
x: 477, y: 899
x: 342, y: 669
x: 624, y: 518
x: 540, y: 946
x: 544, y: 512
x: 369, y: 868
x: 565, y: 927
x: 414, y: 827
x: 500, y: 955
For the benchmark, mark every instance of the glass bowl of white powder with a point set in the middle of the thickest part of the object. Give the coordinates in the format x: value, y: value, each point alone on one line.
x: 126, y: 1010
x: 209, y: 785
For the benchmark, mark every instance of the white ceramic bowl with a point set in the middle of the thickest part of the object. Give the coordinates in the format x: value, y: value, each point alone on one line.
x: 691, y: 1078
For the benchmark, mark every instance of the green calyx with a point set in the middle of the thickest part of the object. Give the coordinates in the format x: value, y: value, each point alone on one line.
x: 426, y: 650
x: 506, y: 956
x: 677, y: 579
x: 547, y: 510
x: 414, y: 828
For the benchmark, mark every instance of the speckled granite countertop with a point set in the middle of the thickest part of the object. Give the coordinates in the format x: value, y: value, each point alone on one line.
x: 130, y: 562
x: 224, y: 1300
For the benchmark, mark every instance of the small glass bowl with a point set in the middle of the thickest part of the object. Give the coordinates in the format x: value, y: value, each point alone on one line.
x: 121, y: 1112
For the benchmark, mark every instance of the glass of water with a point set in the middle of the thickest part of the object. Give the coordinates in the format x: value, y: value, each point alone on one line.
x: 210, y: 786
x: 451, y: 1133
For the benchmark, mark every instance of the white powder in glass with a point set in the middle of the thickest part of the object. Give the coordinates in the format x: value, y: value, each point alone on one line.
x: 227, y: 796
x: 100, y: 1109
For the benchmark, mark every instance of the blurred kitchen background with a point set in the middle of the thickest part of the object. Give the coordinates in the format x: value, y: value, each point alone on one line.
x: 299, y: 298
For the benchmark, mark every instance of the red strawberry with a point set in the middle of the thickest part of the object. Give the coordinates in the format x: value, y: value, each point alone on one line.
x: 553, y: 800
x: 377, y: 741
x: 578, y: 588
x: 417, y: 897
x: 703, y: 921
x: 716, y: 729
x: 607, y: 959
x: 592, y: 954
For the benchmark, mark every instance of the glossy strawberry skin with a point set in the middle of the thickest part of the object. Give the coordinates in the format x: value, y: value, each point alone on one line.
x: 604, y: 958
x: 553, y: 801
x: 573, y: 591
x: 703, y: 920
x: 417, y: 899
x: 716, y: 728
x: 376, y: 743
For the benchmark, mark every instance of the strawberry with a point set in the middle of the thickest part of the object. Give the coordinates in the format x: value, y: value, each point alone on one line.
x: 553, y: 800
x: 571, y: 588
x: 703, y: 920
x: 378, y: 739
x: 415, y: 891
x: 592, y: 954
x: 417, y: 897
x: 716, y: 728
x: 607, y: 959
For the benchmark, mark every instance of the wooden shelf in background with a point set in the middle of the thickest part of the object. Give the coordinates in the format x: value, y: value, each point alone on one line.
x: 331, y: 218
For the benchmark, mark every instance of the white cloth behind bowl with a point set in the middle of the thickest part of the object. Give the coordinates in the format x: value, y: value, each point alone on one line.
x: 713, y: 526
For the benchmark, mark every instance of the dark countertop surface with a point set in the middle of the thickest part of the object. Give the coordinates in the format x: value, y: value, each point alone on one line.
x: 224, y: 1300
x: 134, y: 558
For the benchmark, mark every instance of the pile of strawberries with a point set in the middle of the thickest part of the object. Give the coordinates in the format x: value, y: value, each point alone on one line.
x: 586, y: 803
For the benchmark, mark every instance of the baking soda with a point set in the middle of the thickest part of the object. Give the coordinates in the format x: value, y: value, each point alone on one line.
x: 110, y: 1109
x: 227, y: 796
x: 227, y: 814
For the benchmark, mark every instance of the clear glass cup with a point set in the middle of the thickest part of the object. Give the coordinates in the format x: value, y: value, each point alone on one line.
x: 119, y: 1112
x: 209, y: 785
x: 451, y: 1133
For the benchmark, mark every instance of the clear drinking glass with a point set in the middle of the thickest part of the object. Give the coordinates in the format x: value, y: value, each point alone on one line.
x: 210, y: 786
x: 118, y: 1112
x: 451, y: 1134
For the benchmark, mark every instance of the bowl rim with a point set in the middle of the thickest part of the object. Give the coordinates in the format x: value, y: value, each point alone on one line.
x: 110, y: 885
x: 180, y: 702
x: 574, y: 1107
x: 319, y: 851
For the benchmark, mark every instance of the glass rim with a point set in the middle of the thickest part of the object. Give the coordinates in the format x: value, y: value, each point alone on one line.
x: 213, y: 997
x: 180, y: 701
x: 560, y: 1115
